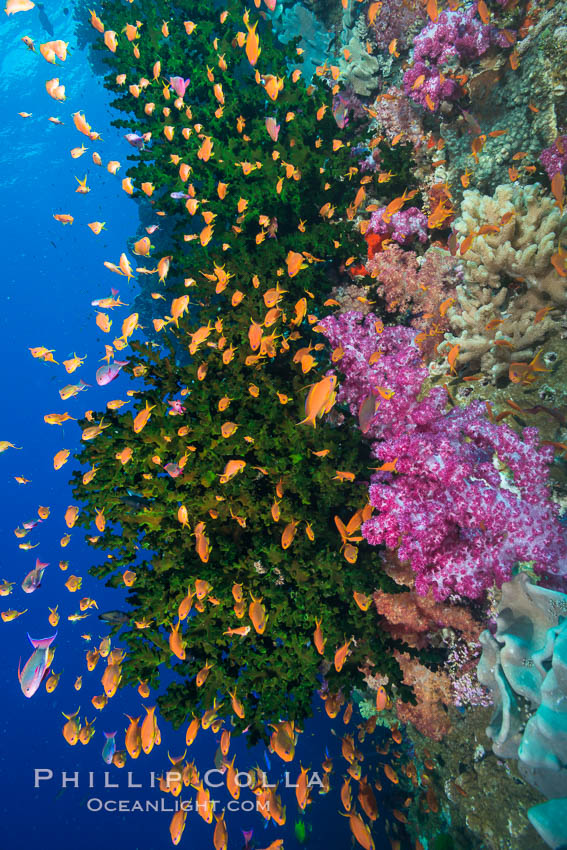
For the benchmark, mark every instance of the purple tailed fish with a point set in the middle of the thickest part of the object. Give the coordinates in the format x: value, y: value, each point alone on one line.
x: 33, y: 579
x: 272, y: 128
x: 37, y: 665
x: 109, y: 747
x: 179, y: 85
x: 176, y: 407
x: 340, y: 111
x: 135, y: 140
x: 367, y: 412
x: 106, y: 374
x: 31, y: 524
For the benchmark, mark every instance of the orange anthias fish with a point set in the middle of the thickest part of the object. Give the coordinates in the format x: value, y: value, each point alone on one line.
x: 320, y: 399
x: 452, y: 357
x: 253, y: 48
x: 237, y: 705
x: 341, y: 655
x: 558, y: 189
x: 257, y: 613
x: 360, y: 831
x: 526, y: 373
x: 396, y: 205
x: 142, y: 418
x: 289, y: 533
x: 177, y: 825
x: 282, y: 741
x: 318, y: 639
x: 432, y: 10
x: 361, y: 600
x: 72, y: 728
x: 176, y: 642
x: 133, y: 740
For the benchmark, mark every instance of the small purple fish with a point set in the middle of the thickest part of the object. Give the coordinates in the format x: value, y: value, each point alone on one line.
x: 176, y: 407
x: 173, y: 469
x: 37, y: 665
x: 109, y: 747
x: 272, y: 128
x: 340, y: 111
x: 135, y: 140
x: 108, y: 373
x: 471, y: 121
x: 33, y: 579
x: 367, y: 412
x: 31, y: 524
x: 179, y: 85
x: 178, y: 196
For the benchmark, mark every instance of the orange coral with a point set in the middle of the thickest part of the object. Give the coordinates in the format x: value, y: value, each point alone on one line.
x: 412, y: 618
x: 433, y: 693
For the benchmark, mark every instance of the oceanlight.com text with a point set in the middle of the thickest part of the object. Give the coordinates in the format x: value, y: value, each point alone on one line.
x: 95, y: 804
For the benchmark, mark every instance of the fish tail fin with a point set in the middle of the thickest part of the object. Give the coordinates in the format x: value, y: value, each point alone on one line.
x: 109, y: 734
x: 71, y: 716
x: 42, y: 643
x: 310, y: 419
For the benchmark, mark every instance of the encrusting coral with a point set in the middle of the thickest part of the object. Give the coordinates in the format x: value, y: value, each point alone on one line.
x: 433, y: 692
x: 509, y: 277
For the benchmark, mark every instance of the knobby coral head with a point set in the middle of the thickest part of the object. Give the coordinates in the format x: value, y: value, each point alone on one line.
x: 468, y: 499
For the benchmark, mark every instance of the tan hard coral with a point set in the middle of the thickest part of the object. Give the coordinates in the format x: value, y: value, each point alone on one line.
x: 508, y: 278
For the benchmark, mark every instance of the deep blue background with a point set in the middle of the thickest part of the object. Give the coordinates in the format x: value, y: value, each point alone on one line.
x: 50, y: 274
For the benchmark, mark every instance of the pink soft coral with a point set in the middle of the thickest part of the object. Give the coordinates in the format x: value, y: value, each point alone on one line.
x: 448, y: 508
x: 403, y: 226
x: 396, y: 114
x: 455, y: 37
x: 419, y: 285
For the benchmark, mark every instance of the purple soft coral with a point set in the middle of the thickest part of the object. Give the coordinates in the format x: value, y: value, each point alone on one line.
x: 454, y: 37
x: 403, y: 226
x: 435, y: 88
x: 554, y: 158
x: 448, y: 510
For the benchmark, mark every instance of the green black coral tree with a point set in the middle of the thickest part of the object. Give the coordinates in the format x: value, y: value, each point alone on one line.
x: 235, y: 252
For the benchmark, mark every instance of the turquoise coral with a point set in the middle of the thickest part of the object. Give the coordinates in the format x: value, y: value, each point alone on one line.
x: 524, y: 663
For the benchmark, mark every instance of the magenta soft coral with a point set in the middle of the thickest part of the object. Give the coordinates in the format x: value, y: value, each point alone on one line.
x: 554, y: 158
x: 455, y: 37
x: 402, y: 226
x: 448, y: 509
